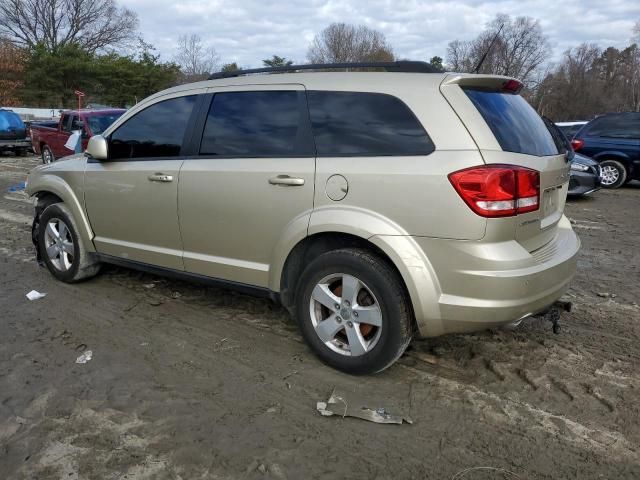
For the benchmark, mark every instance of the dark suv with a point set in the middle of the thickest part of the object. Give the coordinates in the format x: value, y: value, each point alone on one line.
x: 614, y: 141
x: 14, y: 136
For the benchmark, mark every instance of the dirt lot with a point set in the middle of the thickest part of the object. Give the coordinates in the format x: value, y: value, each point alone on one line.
x: 189, y: 382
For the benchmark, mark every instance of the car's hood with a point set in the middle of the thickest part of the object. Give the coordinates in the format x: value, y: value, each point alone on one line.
x: 577, y: 158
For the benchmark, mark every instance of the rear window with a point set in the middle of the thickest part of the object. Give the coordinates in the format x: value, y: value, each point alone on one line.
x: 615, y: 126
x: 365, y: 124
x: 515, y: 124
x: 10, y: 121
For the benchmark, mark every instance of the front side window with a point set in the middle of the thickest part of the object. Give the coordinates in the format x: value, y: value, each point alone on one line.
x: 156, y: 131
x: 365, y: 124
x: 255, y: 124
x: 514, y: 123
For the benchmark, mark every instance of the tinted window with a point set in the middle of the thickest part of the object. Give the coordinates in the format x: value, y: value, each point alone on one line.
x: 515, y: 124
x: 615, y: 126
x: 255, y: 124
x: 157, y: 131
x: 367, y: 124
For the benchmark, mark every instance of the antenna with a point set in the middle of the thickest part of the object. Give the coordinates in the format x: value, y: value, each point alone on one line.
x: 477, y: 69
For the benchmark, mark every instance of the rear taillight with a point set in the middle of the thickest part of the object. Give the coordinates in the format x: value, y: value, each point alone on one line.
x: 498, y: 190
x: 577, y: 144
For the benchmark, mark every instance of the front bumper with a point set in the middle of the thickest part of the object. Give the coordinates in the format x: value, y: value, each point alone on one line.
x: 583, y: 183
x: 484, y: 285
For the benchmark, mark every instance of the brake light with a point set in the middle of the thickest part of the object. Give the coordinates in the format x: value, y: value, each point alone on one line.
x: 513, y: 86
x: 577, y: 144
x: 498, y: 190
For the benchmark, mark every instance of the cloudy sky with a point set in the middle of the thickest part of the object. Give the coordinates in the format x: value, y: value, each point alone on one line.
x: 246, y: 31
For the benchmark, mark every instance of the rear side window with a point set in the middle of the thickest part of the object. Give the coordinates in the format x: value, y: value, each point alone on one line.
x: 514, y: 123
x: 156, y: 131
x: 256, y: 124
x: 365, y: 124
x: 615, y: 126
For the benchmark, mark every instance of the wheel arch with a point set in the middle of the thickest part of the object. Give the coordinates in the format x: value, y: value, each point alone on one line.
x: 50, y: 189
x: 417, y: 277
x: 613, y: 155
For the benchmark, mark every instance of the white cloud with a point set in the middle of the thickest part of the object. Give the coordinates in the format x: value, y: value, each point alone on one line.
x: 247, y: 31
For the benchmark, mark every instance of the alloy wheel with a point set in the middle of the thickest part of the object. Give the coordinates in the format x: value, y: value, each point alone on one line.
x: 610, y: 175
x: 345, y: 314
x: 59, y: 244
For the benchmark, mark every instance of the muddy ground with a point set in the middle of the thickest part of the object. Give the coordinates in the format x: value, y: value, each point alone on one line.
x: 189, y: 382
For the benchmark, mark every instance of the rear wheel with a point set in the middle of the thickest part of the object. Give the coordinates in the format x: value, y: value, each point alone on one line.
x: 47, y: 154
x: 353, y: 311
x: 614, y: 173
x: 22, y: 152
x: 61, y: 247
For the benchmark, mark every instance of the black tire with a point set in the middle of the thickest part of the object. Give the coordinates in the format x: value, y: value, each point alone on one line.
x: 387, y: 288
x: 83, y: 264
x: 22, y: 152
x: 47, y: 155
x: 620, y: 173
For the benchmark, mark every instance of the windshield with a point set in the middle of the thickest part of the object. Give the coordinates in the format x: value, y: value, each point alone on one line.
x: 10, y: 121
x: 515, y: 124
x: 99, y: 123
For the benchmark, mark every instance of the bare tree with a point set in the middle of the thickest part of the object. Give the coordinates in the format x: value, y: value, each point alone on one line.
x: 343, y: 43
x: 90, y: 24
x: 196, y: 59
x: 520, y: 49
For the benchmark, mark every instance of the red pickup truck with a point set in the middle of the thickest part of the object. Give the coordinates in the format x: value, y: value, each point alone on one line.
x: 49, y: 141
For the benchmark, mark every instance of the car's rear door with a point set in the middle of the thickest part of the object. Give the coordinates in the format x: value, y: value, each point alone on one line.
x: 132, y: 198
x: 508, y: 131
x: 251, y: 177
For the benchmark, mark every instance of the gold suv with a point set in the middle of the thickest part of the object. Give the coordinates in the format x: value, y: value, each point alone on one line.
x: 374, y: 205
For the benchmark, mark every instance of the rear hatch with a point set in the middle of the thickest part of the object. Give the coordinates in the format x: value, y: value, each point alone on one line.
x: 508, y: 131
x: 11, y: 126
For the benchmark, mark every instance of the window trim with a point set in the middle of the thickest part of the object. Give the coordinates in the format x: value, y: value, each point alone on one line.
x: 305, y: 134
x: 363, y: 155
x: 186, y: 137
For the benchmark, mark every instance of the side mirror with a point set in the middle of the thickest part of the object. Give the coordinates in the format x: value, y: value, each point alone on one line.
x: 98, y: 148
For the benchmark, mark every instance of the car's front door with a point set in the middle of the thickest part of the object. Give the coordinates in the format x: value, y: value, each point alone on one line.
x: 252, y: 176
x: 131, y: 198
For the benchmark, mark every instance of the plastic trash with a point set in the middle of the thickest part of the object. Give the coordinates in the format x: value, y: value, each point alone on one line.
x: 85, y: 357
x: 35, y: 295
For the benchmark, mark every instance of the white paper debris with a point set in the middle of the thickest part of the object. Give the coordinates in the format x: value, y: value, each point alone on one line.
x: 34, y: 295
x: 85, y: 357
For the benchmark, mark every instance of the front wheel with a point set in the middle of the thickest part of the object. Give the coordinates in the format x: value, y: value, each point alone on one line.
x: 61, y: 248
x: 614, y: 174
x: 353, y: 311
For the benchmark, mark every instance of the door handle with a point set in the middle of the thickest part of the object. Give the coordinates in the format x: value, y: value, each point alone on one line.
x: 286, y: 181
x: 160, y: 177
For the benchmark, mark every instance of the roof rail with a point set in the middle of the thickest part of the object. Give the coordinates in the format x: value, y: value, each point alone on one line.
x: 406, y: 66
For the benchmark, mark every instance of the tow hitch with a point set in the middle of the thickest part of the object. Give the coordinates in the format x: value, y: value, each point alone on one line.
x: 553, y: 314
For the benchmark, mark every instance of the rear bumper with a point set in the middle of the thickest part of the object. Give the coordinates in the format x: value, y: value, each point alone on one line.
x: 22, y: 143
x: 484, y: 285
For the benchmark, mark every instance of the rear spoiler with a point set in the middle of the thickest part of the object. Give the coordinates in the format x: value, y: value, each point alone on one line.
x: 497, y: 83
